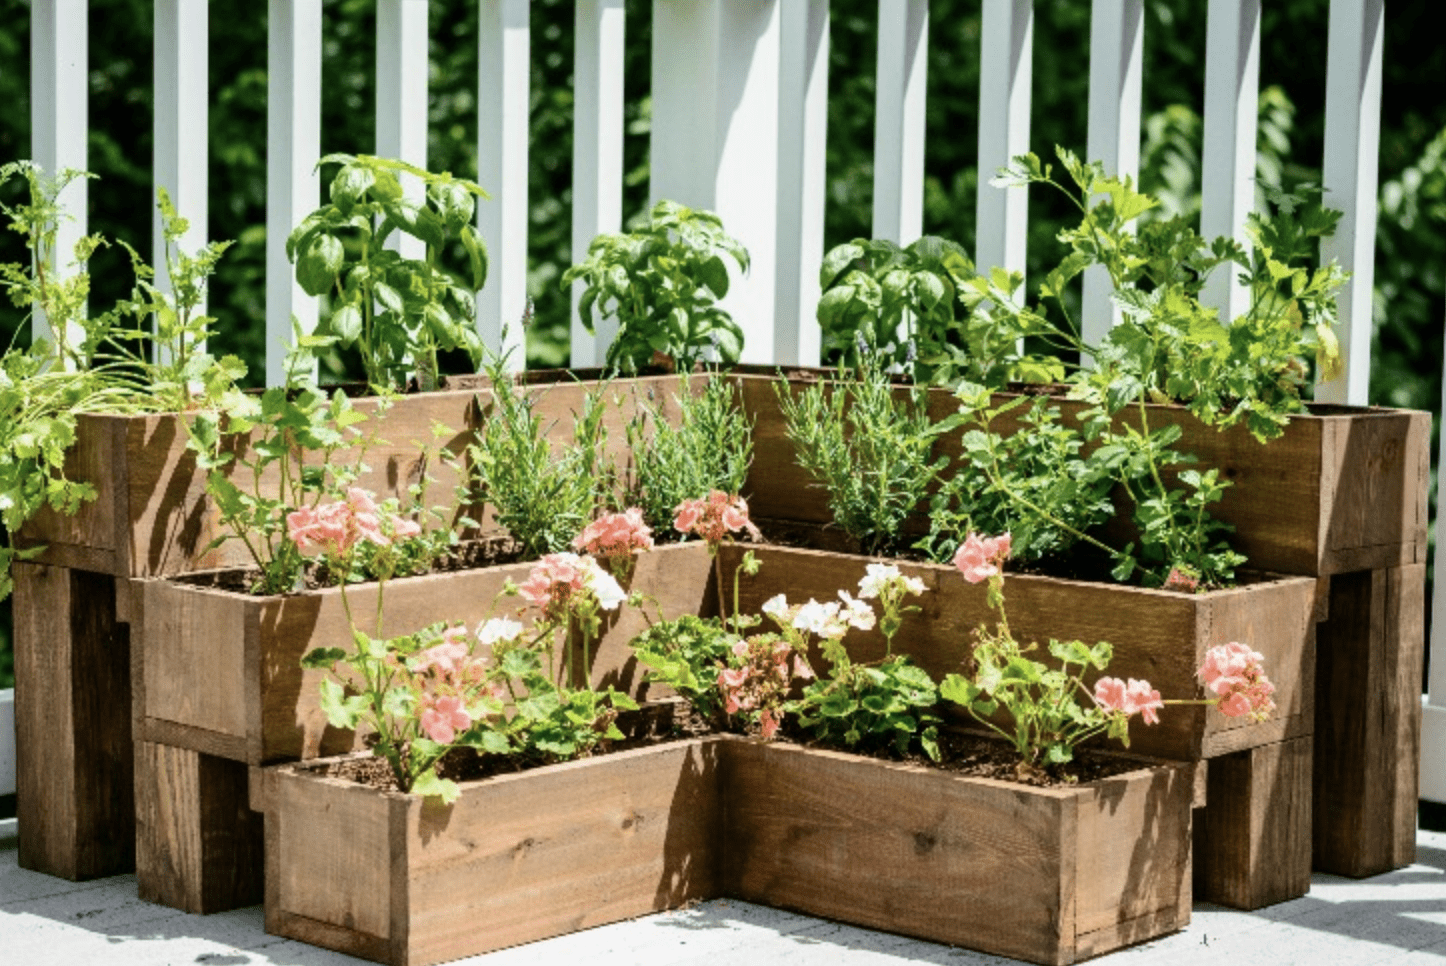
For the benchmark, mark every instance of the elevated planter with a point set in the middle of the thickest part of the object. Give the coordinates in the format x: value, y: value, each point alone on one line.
x: 924, y: 853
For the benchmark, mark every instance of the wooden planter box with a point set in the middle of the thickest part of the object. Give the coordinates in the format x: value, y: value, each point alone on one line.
x: 1160, y: 636
x: 537, y: 854
x: 516, y: 858
x: 1051, y: 875
x: 222, y: 674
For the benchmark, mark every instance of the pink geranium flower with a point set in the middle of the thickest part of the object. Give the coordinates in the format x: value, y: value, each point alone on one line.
x: 615, y: 535
x: 979, y: 558
x: 443, y: 717
x: 714, y: 517
x: 1236, y: 673
x: 1136, y: 697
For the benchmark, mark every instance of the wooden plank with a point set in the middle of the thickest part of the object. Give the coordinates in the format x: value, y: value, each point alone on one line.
x: 504, y: 52
x: 1349, y: 176
x: 1368, y: 721
x: 597, y: 154
x: 193, y: 643
x: 1252, y: 844
x: 89, y: 540
x: 1157, y: 635
x: 73, y: 724
x: 198, y: 844
x: 1006, y: 52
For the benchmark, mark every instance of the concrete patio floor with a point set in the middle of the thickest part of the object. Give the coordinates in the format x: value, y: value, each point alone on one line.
x: 1397, y: 918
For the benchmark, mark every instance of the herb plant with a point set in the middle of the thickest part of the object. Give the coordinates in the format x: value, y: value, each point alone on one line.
x: 398, y: 312
x: 710, y: 449
x: 870, y: 446
x: 662, y: 283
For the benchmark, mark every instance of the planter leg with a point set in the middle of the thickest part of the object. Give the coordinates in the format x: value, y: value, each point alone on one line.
x: 1252, y: 842
x: 1368, y: 721
x: 72, y: 724
x: 198, y: 844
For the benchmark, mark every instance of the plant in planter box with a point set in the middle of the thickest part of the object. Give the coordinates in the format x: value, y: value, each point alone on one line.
x: 662, y: 282
x: 398, y: 312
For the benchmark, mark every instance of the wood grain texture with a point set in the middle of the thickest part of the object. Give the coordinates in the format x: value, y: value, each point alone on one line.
x: 199, y: 846
x: 1368, y: 722
x: 224, y: 667
x: 74, y: 775
x: 1252, y: 845
x: 1035, y: 874
x: 515, y: 859
x: 1157, y: 635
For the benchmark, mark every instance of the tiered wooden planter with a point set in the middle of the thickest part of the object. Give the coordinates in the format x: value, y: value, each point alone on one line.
x: 537, y: 854
x: 74, y: 705
x: 1341, y: 496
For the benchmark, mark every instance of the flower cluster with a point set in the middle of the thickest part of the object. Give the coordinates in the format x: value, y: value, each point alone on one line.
x: 1136, y: 697
x: 335, y: 528
x: 883, y: 580
x: 615, y: 535
x: 714, y: 518
x: 980, y: 558
x: 760, y: 683
x: 1235, y: 673
x: 449, y: 679
x: 558, y: 579
x: 830, y: 620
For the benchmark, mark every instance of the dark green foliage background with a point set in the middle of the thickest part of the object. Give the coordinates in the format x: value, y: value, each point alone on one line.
x: 1411, y: 256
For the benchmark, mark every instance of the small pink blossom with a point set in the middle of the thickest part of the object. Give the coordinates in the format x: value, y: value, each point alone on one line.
x: 442, y: 717
x: 769, y: 722
x: 446, y: 658
x: 1236, y: 673
x: 714, y: 517
x: 1136, y: 697
x: 615, y: 535
x: 979, y: 558
x: 1181, y: 580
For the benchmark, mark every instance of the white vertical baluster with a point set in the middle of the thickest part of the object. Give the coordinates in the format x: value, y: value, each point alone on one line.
x: 899, y: 120
x: 1117, y: 32
x: 402, y: 99
x: 505, y: 42
x: 714, y: 141
x: 182, y: 72
x: 59, y: 115
x: 802, y: 140
x: 597, y: 154
x: 1232, y: 95
x: 1352, y: 143
x: 293, y: 144
x: 1433, y: 718
x: 1006, y: 69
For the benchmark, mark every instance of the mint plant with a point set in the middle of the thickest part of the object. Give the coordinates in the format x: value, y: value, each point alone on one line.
x: 710, y: 449
x: 662, y: 283
x: 870, y: 446
x: 398, y: 312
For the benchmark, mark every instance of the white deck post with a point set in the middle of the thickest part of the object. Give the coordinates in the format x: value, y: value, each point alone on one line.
x: 1117, y: 33
x: 182, y: 105
x: 1433, y: 717
x: 59, y: 122
x: 597, y: 154
x: 293, y: 145
x: 715, y: 136
x: 402, y: 99
x: 899, y: 120
x: 1232, y: 96
x: 1006, y: 69
x: 503, y: 85
x: 802, y: 143
x: 1352, y: 143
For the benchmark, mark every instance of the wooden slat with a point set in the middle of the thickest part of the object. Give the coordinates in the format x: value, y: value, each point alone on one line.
x: 59, y: 123
x: 504, y: 43
x: 293, y: 145
x: 802, y: 139
x: 1006, y: 50
x: 1350, y: 168
x: 1368, y: 721
x: 193, y: 643
x: 1252, y: 845
x: 402, y: 99
x: 597, y: 153
x: 900, y: 94
x: 198, y: 844
x: 72, y: 724
x: 1117, y: 34
x: 181, y: 45
x: 1232, y: 94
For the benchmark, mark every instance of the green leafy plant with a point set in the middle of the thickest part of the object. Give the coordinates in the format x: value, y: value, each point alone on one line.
x: 685, y: 654
x: 542, y: 498
x: 662, y: 283
x: 710, y: 449
x: 399, y: 312
x: 870, y: 445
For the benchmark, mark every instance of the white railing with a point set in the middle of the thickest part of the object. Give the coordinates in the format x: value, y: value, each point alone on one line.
x: 739, y: 126
x: 7, y: 756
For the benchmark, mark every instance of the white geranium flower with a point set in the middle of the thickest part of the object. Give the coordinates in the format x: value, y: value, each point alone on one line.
x: 776, y: 607
x: 855, y: 612
x: 610, y: 595
x: 499, y: 629
x: 876, y: 578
